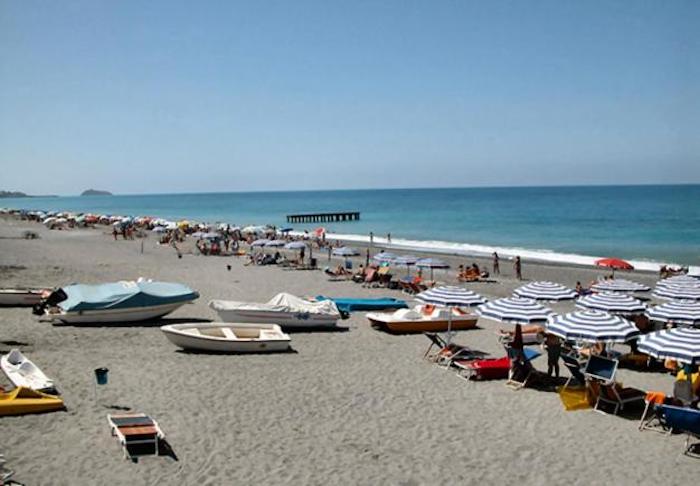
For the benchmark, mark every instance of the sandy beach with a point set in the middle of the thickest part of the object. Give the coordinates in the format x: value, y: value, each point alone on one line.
x: 352, y: 407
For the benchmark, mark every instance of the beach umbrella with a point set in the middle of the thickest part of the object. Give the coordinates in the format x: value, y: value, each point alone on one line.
x: 681, y: 344
x: 684, y: 280
x: 614, y: 264
x: 619, y: 285
x: 198, y: 234
x: 286, y: 230
x: 592, y: 326
x: 614, y: 303
x: 432, y: 264
x: 384, y: 257
x: 320, y: 231
x: 677, y: 292
x: 261, y: 242
x: 211, y: 236
x: 515, y: 310
x: 450, y: 296
x: 545, y: 291
x: 686, y: 312
x: 295, y: 245
x: 159, y: 229
x: 345, y: 251
x: 275, y: 243
x: 405, y: 261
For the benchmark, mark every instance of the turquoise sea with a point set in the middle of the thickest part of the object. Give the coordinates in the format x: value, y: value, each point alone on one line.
x: 642, y: 223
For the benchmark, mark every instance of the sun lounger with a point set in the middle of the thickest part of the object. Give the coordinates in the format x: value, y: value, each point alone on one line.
x: 446, y: 353
x: 574, y: 366
x: 521, y: 370
x: 135, y: 429
x: 370, y: 277
x: 683, y: 420
x: 483, y: 369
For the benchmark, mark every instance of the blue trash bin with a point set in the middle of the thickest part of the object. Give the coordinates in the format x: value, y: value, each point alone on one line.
x: 101, y: 376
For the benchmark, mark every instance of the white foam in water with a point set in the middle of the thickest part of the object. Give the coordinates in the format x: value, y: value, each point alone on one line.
x: 466, y: 249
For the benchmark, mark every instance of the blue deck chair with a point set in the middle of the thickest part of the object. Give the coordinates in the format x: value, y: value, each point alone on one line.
x: 601, y: 371
x: 683, y: 420
x: 521, y: 370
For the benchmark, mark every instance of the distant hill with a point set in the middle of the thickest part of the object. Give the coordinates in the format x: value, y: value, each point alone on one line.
x: 95, y: 192
x: 13, y: 194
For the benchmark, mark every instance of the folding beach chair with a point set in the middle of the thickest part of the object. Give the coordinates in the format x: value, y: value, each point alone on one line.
x: 684, y: 420
x: 600, y: 373
x: 521, y: 369
x: 446, y: 353
x: 652, y: 416
x: 134, y: 431
x: 572, y: 364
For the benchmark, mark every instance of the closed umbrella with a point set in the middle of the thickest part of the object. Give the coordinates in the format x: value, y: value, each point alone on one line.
x: 681, y: 344
x: 592, y: 326
x: 545, y: 291
x: 686, y: 312
x: 515, y: 310
x: 614, y: 303
x: 619, y: 285
x: 450, y: 296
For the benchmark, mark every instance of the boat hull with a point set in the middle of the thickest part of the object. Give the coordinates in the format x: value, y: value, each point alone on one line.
x: 205, y: 343
x: 135, y: 314
x: 20, y: 297
x: 419, y: 326
x: 22, y: 401
x: 286, y: 320
x: 27, y: 375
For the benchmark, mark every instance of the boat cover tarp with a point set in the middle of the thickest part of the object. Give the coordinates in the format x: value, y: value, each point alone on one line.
x: 351, y: 304
x: 124, y: 295
x: 282, y: 302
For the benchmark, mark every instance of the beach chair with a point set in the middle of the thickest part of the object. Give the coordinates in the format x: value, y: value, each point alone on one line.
x: 446, y: 352
x: 652, y: 416
x: 574, y: 366
x: 370, y: 277
x: 600, y: 374
x: 521, y: 370
x: 383, y: 277
x: 134, y: 432
x: 684, y: 420
x: 483, y: 369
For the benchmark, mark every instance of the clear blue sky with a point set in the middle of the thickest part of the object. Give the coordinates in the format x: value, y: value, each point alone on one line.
x: 164, y: 96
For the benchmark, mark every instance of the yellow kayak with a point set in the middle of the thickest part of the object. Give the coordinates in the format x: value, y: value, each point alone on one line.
x: 23, y: 400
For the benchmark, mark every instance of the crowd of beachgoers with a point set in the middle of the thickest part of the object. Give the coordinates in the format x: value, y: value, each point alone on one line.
x: 593, y: 368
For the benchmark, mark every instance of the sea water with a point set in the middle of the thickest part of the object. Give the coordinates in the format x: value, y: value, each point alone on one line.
x: 566, y: 224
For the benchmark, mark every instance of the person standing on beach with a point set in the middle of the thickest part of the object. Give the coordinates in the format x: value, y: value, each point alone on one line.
x: 496, y: 267
x: 518, y: 268
x: 388, y: 238
x: 553, y: 346
x: 301, y: 255
x: 367, y: 258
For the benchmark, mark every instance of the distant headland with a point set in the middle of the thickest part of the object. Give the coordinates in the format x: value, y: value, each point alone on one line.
x: 4, y: 194
x: 95, y: 192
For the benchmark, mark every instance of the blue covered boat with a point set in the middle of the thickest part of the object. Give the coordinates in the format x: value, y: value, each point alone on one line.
x: 115, y: 302
x: 351, y: 305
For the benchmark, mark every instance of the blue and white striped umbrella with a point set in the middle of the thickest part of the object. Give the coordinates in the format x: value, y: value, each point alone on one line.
x: 432, y: 263
x: 295, y: 245
x: 677, y: 292
x: 405, y: 260
x: 515, y: 310
x: 679, y: 280
x: 685, y: 312
x: 345, y: 251
x: 545, y: 291
x: 384, y: 257
x: 450, y: 296
x: 681, y: 344
x: 619, y: 285
x: 613, y: 303
x: 275, y: 243
x: 259, y: 242
x: 592, y: 326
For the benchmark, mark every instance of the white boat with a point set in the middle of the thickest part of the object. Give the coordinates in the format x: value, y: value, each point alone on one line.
x: 286, y: 310
x: 126, y: 301
x: 423, y: 318
x: 228, y: 338
x: 21, y: 297
x: 22, y: 372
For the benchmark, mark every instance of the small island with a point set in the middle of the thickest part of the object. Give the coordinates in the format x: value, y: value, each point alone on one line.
x: 13, y: 194
x: 95, y: 192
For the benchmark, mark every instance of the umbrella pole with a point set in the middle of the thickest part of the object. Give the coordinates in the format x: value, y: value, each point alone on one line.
x: 449, y: 325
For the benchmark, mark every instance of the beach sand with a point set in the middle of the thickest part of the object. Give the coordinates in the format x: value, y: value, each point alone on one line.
x: 354, y: 407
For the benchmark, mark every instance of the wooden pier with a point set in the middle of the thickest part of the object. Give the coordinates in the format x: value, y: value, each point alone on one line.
x: 324, y: 217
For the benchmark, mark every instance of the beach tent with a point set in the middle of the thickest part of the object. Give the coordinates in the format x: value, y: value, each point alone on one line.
x: 592, y: 326
x: 545, y: 291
